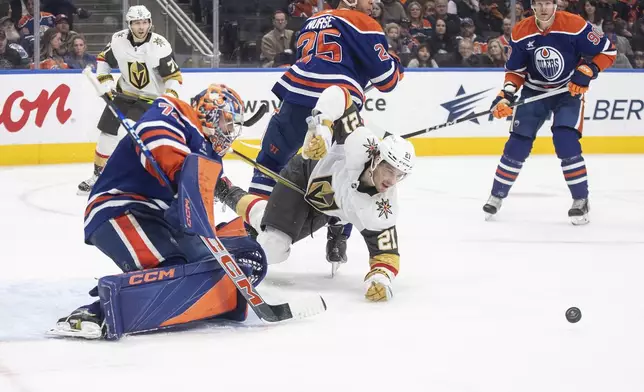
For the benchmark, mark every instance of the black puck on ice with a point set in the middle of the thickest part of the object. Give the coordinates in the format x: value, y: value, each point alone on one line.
x: 573, y: 315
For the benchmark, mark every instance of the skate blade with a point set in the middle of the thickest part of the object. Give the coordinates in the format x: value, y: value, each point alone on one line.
x: 489, y: 217
x: 82, y: 193
x: 579, y: 220
x: 86, y: 332
x: 334, y: 268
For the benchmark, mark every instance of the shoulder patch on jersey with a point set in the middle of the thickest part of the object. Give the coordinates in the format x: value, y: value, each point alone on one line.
x: 120, y: 34
x: 565, y: 22
x: 360, y: 21
x: 524, y: 29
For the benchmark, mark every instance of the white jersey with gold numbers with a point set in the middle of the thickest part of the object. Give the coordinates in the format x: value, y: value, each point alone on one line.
x: 148, y: 68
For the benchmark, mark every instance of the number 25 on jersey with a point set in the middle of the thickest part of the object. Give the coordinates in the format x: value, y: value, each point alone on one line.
x: 320, y: 44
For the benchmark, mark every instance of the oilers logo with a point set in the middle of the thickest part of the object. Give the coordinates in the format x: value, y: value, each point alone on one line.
x: 549, y: 62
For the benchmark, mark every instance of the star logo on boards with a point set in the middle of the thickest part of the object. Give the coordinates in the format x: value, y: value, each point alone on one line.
x: 463, y: 104
x: 384, y: 208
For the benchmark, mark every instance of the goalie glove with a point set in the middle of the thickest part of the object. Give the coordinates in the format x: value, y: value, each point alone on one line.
x: 378, y: 285
x: 318, y: 137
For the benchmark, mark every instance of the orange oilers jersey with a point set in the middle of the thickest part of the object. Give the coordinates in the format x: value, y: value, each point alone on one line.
x: 342, y: 47
x: 170, y: 129
x: 543, y: 60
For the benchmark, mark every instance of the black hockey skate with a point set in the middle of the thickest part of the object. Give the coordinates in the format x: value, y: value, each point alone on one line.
x: 578, y: 213
x: 336, y: 247
x: 85, y: 187
x: 81, y: 323
x: 492, y: 206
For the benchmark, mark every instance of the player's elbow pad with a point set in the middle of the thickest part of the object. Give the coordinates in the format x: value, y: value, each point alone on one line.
x: 333, y: 102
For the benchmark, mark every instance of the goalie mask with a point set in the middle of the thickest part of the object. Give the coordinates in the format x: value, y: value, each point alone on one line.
x: 220, y: 112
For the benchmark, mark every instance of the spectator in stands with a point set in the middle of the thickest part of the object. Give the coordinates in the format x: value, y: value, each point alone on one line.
x: 26, y: 23
x: 393, y: 12
x: 589, y: 12
x: 453, y: 22
x: 429, y: 9
x: 420, y: 28
x: 305, y: 8
x: 629, y: 10
x: 638, y: 60
x: 519, y: 12
x: 467, y: 8
x: 624, y: 50
x: 277, y: 40
x: 9, y: 58
x: 377, y: 12
x: 423, y: 58
x: 467, y: 32
x: 78, y: 57
x: 638, y: 35
x: 621, y: 28
x: 506, y: 37
x: 489, y: 19
x: 496, y: 53
x: 15, y: 41
x: 466, y: 56
x: 49, y: 46
x: 64, y: 7
x: 66, y: 35
x: 441, y: 42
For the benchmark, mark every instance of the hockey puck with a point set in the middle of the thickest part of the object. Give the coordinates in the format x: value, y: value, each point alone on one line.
x: 573, y: 315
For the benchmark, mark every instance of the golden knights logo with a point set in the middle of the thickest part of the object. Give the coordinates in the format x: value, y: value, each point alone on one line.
x: 372, y: 148
x: 139, y: 74
x: 321, y: 195
x: 384, y: 208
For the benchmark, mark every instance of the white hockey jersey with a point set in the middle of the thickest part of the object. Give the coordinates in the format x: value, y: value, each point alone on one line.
x: 334, y: 189
x: 148, y: 68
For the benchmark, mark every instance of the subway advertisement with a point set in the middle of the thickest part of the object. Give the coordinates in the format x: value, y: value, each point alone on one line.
x: 51, y: 117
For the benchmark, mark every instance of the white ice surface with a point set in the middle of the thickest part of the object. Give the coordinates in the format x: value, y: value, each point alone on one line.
x: 479, y: 306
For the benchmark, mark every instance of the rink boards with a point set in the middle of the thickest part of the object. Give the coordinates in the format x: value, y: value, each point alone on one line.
x: 51, y: 117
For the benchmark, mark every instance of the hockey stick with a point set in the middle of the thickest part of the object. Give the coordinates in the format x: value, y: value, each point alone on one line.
x: 486, y: 112
x: 284, y: 181
x: 265, y: 311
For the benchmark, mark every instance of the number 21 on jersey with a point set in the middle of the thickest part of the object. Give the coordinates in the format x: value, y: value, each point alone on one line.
x: 320, y: 44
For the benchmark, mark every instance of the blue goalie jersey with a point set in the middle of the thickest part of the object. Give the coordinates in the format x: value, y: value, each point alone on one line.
x: 346, y: 48
x: 544, y: 60
x: 171, y: 130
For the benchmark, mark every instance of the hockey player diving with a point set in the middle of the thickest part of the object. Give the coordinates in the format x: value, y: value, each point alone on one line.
x: 344, y: 47
x: 351, y: 181
x: 148, y: 70
x: 549, y: 50
x: 132, y: 217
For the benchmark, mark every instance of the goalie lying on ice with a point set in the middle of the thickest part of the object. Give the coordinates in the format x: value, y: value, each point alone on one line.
x: 349, y: 176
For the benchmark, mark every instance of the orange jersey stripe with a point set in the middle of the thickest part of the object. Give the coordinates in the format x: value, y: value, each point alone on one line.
x: 161, y: 132
x: 107, y: 197
x: 391, y: 83
x: 186, y: 110
x: 361, y: 21
x: 147, y: 259
x: 564, y: 22
x: 169, y: 159
x: 322, y: 85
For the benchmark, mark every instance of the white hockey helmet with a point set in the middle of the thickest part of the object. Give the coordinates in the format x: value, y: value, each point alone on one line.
x: 138, y: 12
x: 397, y: 152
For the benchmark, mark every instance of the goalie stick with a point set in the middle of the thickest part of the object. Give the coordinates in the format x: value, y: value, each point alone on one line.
x: 266, y: 312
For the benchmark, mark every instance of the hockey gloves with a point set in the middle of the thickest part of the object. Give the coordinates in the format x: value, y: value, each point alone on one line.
x: 108, y: 86
x: 581, y: 78
x: 318, y: 137
x: 501, y: 104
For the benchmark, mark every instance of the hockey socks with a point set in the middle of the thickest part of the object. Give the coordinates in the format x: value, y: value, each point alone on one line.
x: 574, y: 171
x: 506, y: 173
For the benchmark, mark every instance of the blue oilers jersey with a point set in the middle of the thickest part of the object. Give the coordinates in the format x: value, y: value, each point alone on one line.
x: 342, y: 47
x: 543, y: 60
x: 170, y: 129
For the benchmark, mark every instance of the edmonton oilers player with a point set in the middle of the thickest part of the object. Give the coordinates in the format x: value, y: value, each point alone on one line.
x: 343, y: 47
x: 131, y: 214
x: 548, y: 51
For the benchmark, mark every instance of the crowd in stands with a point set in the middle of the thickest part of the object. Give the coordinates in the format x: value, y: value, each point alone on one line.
x: 60, y: 46
x: 463, y: 33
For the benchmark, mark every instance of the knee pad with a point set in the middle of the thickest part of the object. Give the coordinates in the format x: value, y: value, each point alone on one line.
x: 566, y: 141
x: 276, y: 245
x: 518, y: 147
x: 106, y: 144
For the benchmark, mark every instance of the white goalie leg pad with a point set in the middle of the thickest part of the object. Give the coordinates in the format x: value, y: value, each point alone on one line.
x: 276, y: 245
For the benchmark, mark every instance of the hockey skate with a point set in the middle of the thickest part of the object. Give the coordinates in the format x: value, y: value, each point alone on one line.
x: 336, y: 247
x: 492, y: 206
x: 82, y: 323
x: 578, y: 213
x: 85, y: 187
x: 378, y: 286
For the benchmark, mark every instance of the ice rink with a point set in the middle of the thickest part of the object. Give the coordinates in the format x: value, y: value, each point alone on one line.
x: 479, y: 306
